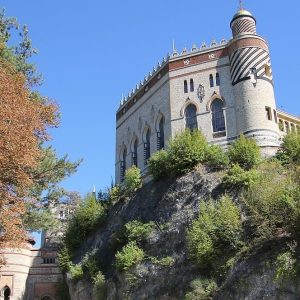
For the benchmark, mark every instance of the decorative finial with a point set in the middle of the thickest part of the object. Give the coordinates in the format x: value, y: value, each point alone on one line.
x: 241, y: 4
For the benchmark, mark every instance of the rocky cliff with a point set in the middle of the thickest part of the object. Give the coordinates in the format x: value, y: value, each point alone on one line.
x: 172, y: 205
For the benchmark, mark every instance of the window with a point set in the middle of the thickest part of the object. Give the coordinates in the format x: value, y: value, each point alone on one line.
x: 253, y: 71
x: 123, y: 165
x: 268, y: 70
x: 211, y: 80
x: 134, y: 153
x: 49, y: 260
x: 280, y: 124
x: 147, y: 147
x: 268, y: 113
x: 287, y: 127
x: 217, y: 79
x: 191, y: 85
x: 5, y: 293
x: 161, y: 135
x: 185, y: 86
x: 218, y: 120
x: 275, y: 116
x: 293, y: 128
x: 191, y: 117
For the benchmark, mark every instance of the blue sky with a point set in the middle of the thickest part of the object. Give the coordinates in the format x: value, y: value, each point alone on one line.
x: 90, y: 52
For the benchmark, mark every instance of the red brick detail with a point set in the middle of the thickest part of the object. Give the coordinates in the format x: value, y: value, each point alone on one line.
x: 198, y: 59
x: 142, y: 91
x: 247, y: 42
x: 46, y: 289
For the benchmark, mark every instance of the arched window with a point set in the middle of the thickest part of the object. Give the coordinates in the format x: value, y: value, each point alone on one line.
x: 161, y: 134
x: 123, y: 164
x: 211, y: 80
x: 217, y: 79
x: 185, y: 86
x: 6, y: 293
x: 191, y: 117
x: 218, y: 120
x: 147, y: 146
x: 134, y: 153
x: 191, y: 85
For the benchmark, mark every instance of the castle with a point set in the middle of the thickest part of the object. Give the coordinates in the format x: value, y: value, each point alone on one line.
x: 223, y: 89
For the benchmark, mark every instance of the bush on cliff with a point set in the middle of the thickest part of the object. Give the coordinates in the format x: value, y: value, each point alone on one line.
x: 290, y: 149
x: 159, y: 164
x: 244, y: 152
x: 217, y: 229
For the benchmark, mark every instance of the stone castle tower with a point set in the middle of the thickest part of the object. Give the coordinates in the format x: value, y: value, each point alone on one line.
x: 224, y: 89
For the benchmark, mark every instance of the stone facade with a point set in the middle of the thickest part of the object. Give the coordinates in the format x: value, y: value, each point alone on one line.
x: 223, y: 89
x: 34, y: 274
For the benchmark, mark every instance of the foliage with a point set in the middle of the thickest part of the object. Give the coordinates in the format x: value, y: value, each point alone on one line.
x: 99, y: 284
x: 26, y: 116
x: 138, y: 231
x: 64, y: 259
x: 216, y: 157
x: 42, y: 219
x: 244, y: 152
x: 286, y: 264
x: 218, y: 227
x: 130, y: 255
x: 272, y: 204
x: 159, y: 164
x: 167, y: 261
x: 115, y: 194
x: 76, y: 272
x: 90, y: 265
x: 237, y: 177
x: 87, y: 217
x: 202, y: 289
x: 290, y: 149
x: 186, y: 150
x: 132, y: 181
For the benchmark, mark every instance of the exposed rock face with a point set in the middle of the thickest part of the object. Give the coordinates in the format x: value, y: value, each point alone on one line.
x: 172, y: 205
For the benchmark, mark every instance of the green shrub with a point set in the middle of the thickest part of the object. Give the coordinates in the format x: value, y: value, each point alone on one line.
x: 88, y: 216
x: 201, y: 289
x: 216, y: 157
x: 272, y: 204
x: 138, y: 231
x: 64, y: 259
x: 290, y: 149
x: 286, y: 264
x: 99, y: 285
x: 244, y: 152
x: 159, y: 164
x: 217, y: 228
x: 90, y: 265
x: 167, y: 261
x: 76, y: 272
x: 130, y: 255
x: 237, y: 177
x: 132, y: 181
x: 186, y: 150
x: 115, y: 194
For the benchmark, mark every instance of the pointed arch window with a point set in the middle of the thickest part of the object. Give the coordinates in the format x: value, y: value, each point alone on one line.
x: 211, y: 80
x: 135, y: 153
x: 161, y: 134
x: 191, y: 117
x: 6, y: 293
x: 218, y: 79
x: 123, y: 164
x: 147, y: 147
x: 218, y: 120
x: 185, y: 87
x: 191, y: 85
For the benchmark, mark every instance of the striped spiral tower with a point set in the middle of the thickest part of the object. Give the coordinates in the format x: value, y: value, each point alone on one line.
x: 252, y: 80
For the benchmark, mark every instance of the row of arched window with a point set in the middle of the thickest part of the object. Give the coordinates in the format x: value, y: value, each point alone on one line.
x: 190, y: 113
x: 160, y: 138
x: 212, y: 82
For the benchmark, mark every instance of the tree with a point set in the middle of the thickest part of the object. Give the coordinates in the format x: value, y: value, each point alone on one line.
x: 29, y: 171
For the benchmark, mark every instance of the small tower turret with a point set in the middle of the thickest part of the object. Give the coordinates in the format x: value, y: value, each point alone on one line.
x: 252, y: 80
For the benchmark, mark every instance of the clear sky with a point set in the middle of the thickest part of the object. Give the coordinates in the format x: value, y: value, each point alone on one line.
x: 92, y: 51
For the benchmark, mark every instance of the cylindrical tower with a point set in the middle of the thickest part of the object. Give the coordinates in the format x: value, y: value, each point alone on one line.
x: 252, y: 81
